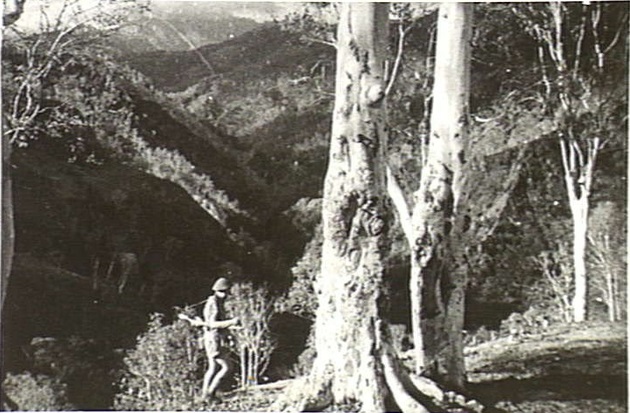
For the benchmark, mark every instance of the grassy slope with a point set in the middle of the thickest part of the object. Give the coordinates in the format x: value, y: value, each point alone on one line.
x: 564, y: 350
x: 76, y: 211
x: 567, y: 368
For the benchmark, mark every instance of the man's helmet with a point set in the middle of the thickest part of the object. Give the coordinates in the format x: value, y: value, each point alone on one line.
x: 222, y: 284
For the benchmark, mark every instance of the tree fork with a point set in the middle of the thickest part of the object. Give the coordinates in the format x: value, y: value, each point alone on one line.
x: 354, y: 360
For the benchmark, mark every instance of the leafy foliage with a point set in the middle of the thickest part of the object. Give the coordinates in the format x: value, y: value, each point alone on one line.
x: 556, y: 286
x: 80, y: 364
x: 37, y: 392
x: 608, y: 268
x: 253, y: 343
x: 163, y: 371
x: 300, y: 298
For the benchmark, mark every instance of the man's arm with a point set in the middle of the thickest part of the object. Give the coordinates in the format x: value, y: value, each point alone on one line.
x: 198, y: 322
x: 222, y: 324
x: 211, y: 314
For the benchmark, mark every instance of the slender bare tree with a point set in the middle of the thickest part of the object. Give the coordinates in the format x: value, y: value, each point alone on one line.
x: 575, y: 42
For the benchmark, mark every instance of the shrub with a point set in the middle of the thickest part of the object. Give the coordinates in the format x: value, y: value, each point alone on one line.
x: 84, y: 366
x: 164, y: 370
x: 253, y: 343
x: 301, y: 298
x: 481, y: 335
x: 37, y: 392
x: 533, y: 321
x: 555, y: 289
x: 607, y: 258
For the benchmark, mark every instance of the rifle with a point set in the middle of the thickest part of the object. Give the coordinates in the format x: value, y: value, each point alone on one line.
x: 197, y: 322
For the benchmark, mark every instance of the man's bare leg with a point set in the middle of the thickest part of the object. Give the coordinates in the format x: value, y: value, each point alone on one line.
x: 224, y: 367
x: 212, y: 366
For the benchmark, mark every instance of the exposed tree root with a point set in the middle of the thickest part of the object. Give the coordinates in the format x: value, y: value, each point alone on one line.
x: 412, y: 393
x: 415, y: 393
x: 446, y: 400
x: 404, y: 400
x: 304, y: 394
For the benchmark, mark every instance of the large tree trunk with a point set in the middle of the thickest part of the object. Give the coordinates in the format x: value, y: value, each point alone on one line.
x: 438, y: 275
x: 11, y: 12
x: 354, y: 249
x: 8, y: 242
x: 354, y: 360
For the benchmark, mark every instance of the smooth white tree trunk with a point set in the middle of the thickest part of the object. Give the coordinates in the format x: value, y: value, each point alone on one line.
x: 349, y: 287
x: 8, y: 231
x: 438, y: 273
x: 579, y: 213
x: 578, y: 165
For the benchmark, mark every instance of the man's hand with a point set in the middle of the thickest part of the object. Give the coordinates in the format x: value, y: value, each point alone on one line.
x: 235, y: 324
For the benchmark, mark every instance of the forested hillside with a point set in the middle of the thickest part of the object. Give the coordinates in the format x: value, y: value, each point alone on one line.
x: 279, y: 115
x: 142, y: 171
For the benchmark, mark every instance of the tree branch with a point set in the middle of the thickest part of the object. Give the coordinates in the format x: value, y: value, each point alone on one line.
x: 401, y: 42
x: 580, y: 41
x: 567, y: 168
x: 614, y: 41
x: 320, y: 41
x: 400, y: 203
x: 597, y: 13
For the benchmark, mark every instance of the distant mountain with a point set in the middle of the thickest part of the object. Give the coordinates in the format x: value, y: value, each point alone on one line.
x: 260, y: 86
x: 259, y: 54
x: 180, y: 26
x: 180, y: 34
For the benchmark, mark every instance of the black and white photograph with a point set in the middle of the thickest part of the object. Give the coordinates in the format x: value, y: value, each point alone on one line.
x: 295, y: 206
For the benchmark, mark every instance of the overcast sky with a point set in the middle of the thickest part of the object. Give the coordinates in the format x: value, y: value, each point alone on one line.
x: 259, y: 11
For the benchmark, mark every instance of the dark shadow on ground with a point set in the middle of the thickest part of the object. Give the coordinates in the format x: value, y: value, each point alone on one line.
x: 552, y: 387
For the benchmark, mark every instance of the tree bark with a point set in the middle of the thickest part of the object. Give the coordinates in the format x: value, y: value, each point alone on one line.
x: 611, y: 296
x: 11, y: 12
x: 348, y: 327
x: 354, y: 249
x: 438, y: 274
x: 579, y: 213
x: 8, y: 230
x: 578, y: 176
x: 243, y: 359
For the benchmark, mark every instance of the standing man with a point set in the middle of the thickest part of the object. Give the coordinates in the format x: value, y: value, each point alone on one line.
x: 215, y: 326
